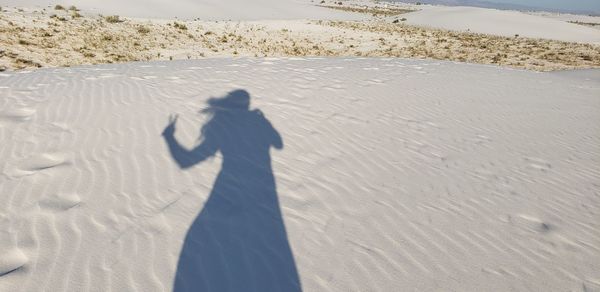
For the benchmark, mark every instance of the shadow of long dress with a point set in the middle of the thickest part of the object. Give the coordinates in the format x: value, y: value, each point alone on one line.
x: 238, y: 242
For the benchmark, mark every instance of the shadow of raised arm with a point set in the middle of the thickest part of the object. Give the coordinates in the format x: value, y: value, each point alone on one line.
x: 183, y: 157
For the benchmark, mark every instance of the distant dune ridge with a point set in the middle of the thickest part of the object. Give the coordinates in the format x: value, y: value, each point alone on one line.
x: 574, y: 8
x: 504, y: 23
x: 204, y: 9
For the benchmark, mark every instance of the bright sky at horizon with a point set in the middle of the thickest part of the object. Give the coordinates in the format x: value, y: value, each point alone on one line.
x: 591, y: 5
x: 585, y: 6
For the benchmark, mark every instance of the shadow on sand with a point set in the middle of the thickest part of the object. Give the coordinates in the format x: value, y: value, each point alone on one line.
x: 238, y: 242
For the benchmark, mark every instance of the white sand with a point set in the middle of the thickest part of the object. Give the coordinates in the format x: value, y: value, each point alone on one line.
x: 346, y: 174
x: 503, y: 23
x: 394, y: 175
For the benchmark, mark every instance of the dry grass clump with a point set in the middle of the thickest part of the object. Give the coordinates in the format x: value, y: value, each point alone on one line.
x: 113, y: 19
x: 180, y: 26
x: 61, y: 18
x: 75, y: 14
x: 143, y: 29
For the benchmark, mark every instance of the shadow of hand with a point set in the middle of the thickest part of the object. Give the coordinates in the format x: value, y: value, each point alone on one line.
x: 170, y: 129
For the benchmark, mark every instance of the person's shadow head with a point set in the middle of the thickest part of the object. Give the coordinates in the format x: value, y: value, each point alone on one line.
x: 238, y: 242
x: 237, y: 99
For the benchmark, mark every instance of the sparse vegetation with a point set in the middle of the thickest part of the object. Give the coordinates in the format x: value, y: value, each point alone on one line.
x: 61, y: 18
x: 479, y: 48
x: 54, y: 43
x: 592, y: 24
x: 180, y: 26
x: 113, y: 19
x: 59, y: 7
x: 374, y: 11
x: 143, y: 29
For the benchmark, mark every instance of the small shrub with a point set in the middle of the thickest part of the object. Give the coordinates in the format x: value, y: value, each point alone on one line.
x: 180, y: 26
x: 143, y: 29
x: 61, y: 18
x: 73, y: 8
x: 59, y: 7
x: 112, y: 19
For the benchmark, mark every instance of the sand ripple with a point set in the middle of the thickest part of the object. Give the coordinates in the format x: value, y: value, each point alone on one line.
x: 396, y: 175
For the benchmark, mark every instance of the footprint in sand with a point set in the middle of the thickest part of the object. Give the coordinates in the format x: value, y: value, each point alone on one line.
x: 538, y: 163
x: 60, y: 202
x: 16, y: 115
x: 35, y: 163
x: 43, y: 161
x: 11, y: 260
x: 530, y: 223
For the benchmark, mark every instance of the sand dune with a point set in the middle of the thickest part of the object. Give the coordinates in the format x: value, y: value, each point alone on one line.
x: 391, y: 175
x: 204, y: 9
x: 503, y: 23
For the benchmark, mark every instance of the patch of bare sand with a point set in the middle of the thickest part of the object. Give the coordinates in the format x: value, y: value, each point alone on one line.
x: 39, y: 38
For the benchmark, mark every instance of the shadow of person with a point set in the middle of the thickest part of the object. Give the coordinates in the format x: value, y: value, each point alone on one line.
x: 238, y: 242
